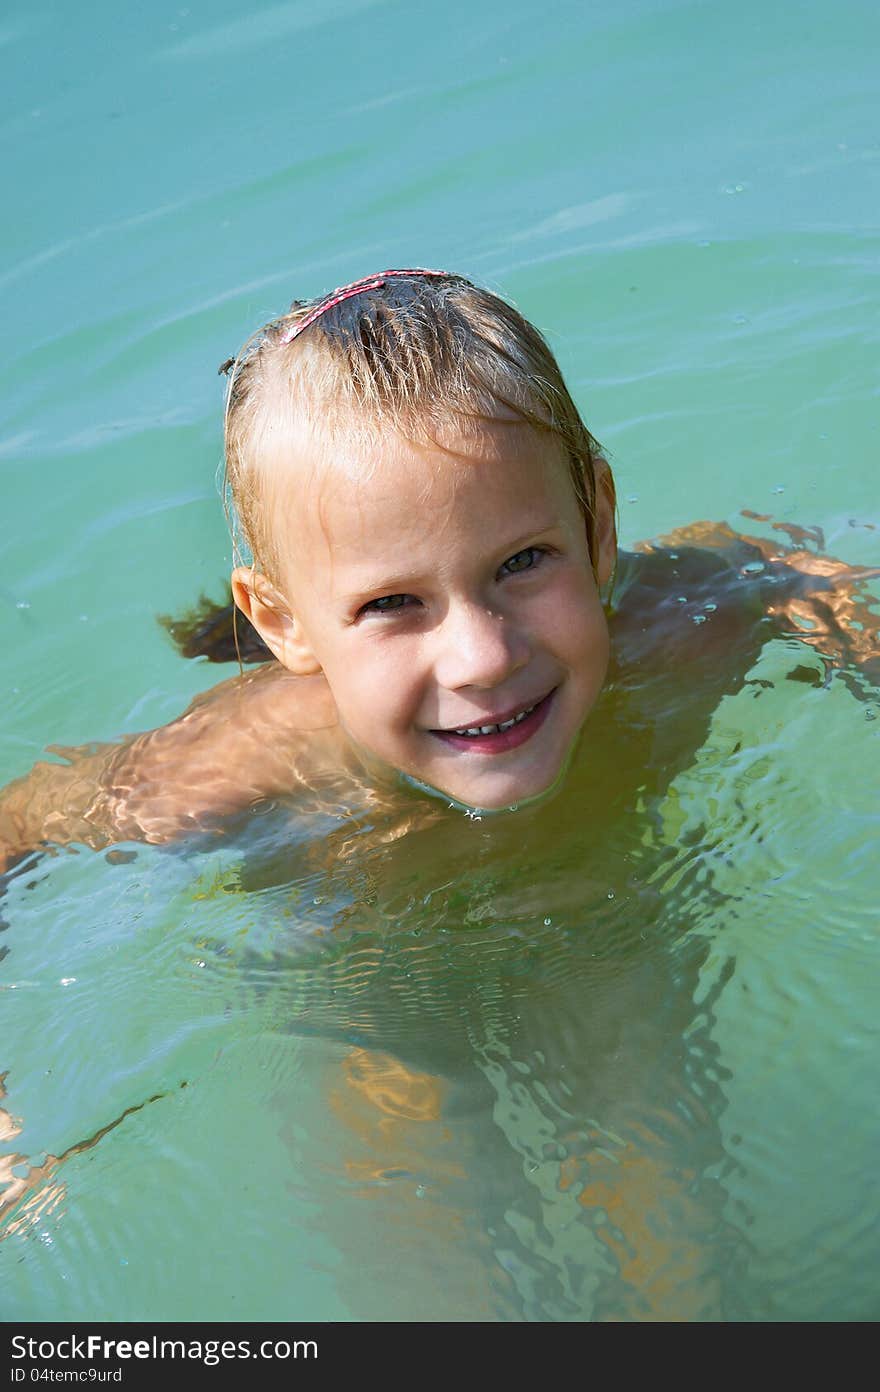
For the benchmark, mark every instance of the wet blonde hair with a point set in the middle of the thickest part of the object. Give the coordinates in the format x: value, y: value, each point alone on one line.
x: 411, y: 353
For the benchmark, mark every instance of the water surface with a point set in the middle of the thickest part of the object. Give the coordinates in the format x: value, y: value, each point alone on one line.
x: 611, y: 1058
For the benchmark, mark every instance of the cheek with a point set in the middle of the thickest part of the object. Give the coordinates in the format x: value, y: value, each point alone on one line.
x: 573, y: 622
x: 375, y: 684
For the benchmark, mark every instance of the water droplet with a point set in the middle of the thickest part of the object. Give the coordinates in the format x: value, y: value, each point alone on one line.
x: 752, y: 568
x: 740, y: 319
x: 633, y: 498
x: 421, y: 1191
x: 698, y: 618
x: 547, y: 922
x: 682, y: 599
x: 23, y: 604
x: 611, y: 894
x: 710, y: 607
x: 68, y: 980
x: 780, y: 488
x: 870, y: 714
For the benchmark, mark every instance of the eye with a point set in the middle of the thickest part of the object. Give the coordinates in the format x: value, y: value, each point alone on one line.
x: 388, y: 604
x: 523, y: 560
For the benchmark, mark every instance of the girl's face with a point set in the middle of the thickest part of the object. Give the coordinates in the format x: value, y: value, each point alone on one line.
x: 449, y: 599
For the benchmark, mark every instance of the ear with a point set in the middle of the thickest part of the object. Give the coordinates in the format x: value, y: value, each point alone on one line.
x: 605, y: 527
x: 267, y: 609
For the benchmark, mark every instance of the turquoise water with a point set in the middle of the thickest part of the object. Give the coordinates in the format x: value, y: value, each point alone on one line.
x: 567, y: 1066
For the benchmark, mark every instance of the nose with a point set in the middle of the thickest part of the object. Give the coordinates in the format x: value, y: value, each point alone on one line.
x: 478, y: 647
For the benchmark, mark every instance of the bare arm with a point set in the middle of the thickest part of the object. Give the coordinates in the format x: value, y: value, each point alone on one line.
x: 257, y: 736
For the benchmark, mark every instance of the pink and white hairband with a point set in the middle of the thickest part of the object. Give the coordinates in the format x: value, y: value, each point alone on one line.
x: 345, y: 292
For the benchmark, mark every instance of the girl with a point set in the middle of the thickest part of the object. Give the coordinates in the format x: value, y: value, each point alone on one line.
x: 527, y: 1094
x: 434, y: 579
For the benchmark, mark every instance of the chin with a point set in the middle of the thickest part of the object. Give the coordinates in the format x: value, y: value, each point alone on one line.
x: 504, y: 795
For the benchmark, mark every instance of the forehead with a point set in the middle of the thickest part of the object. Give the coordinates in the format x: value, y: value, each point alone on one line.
x: 369, y: 492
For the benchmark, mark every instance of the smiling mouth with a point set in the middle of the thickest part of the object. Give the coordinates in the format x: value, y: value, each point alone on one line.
x: 495, y: 737
x: 473, y: 730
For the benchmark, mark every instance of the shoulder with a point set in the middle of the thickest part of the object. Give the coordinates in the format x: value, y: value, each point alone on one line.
x: 710, y: 596
x: 259, y: 736
x: 260, y: 717
x: 265, y: 695
x: 685, y: 596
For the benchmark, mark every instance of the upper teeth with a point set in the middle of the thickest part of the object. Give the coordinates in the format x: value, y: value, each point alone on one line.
x: 495, y: 729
